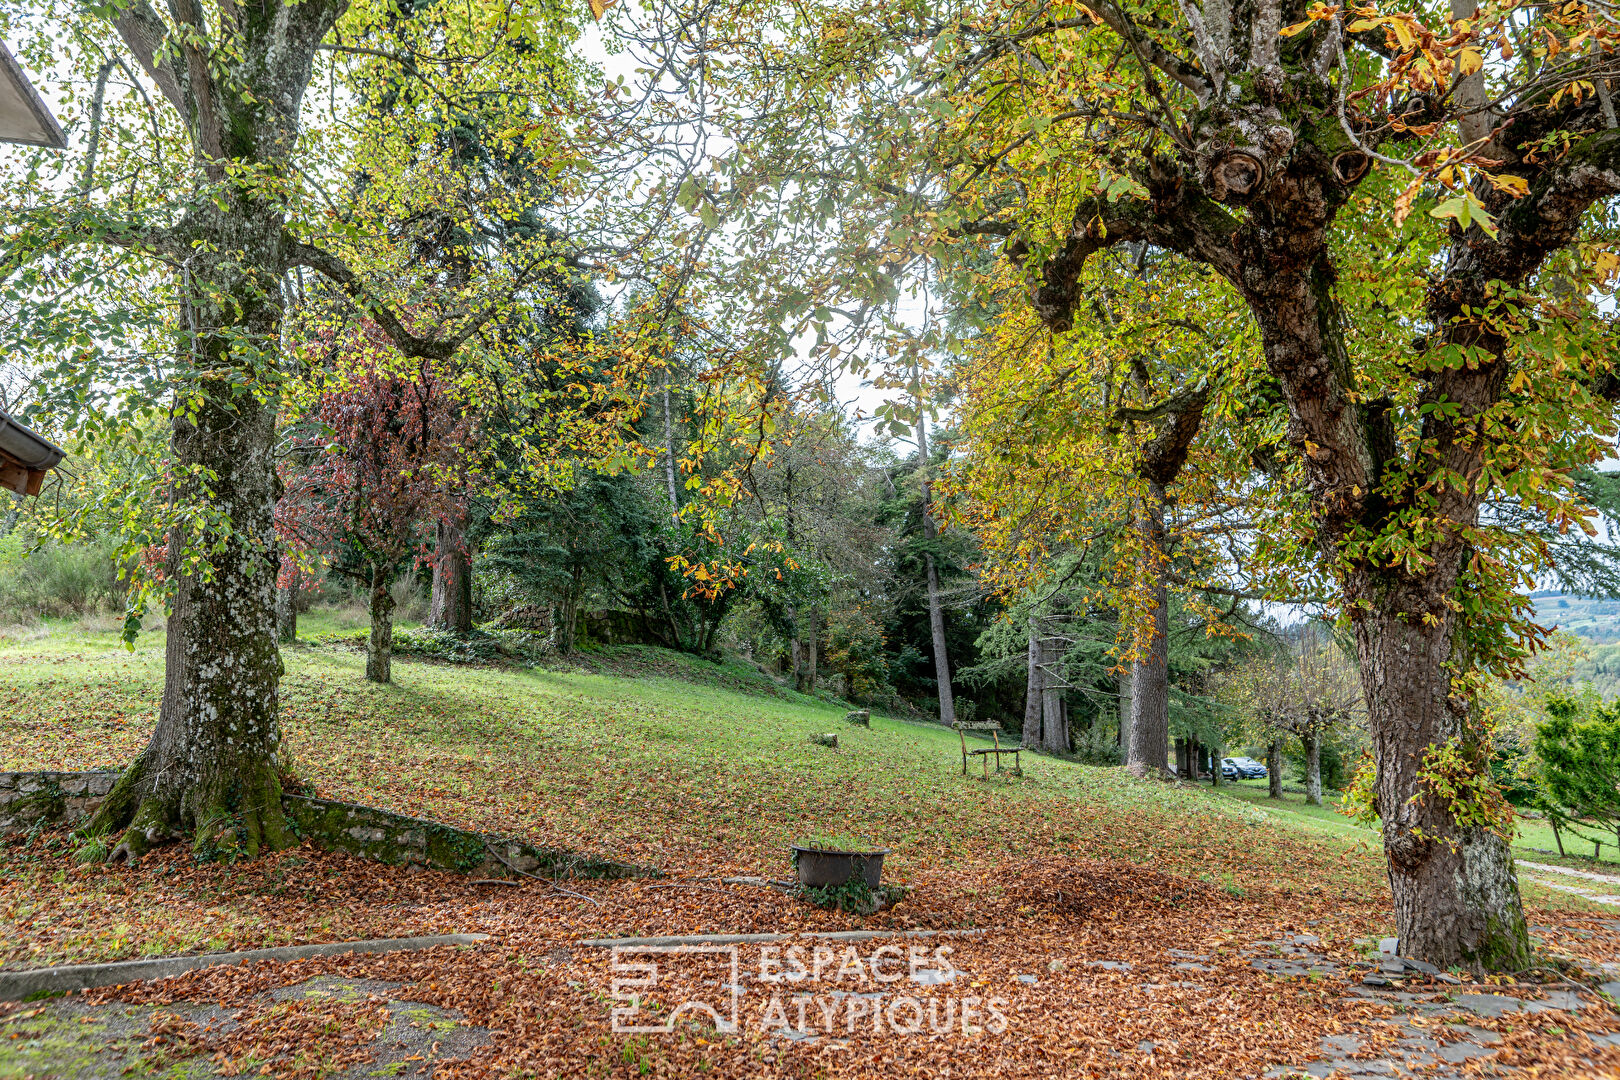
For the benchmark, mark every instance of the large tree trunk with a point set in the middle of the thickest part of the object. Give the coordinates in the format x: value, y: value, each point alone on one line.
x: 812, y: 653
x: 380, y: 643
x: 211, y: 764
x: 1313, y: 767
x: 1274, y: 769
x: 1380, y: 476
x: 1456, y: 894
x: 286, y: 614
x: 210, y: 767
x: 1150, y: 675
x: 936, y: 613
x: 936, y: 624
x: 1054, y: 715
x: 1034, y: 690
x: 450, y: 603
x: 1124, y: 678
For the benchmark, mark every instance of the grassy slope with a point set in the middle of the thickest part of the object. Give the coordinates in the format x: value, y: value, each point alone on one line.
x: 1533, y: 840
x: 712, y: 771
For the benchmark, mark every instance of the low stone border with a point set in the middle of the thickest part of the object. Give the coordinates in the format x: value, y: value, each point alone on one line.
x: 49, y: 797
x: 17, y: 985
x: 749, y: 939
x: 402, y: 840
x: 68, y: 799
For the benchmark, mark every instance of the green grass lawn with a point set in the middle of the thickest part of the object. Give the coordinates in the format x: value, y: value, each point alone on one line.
x: 656, y: 756
x: 1533, y: 839
x: 696, y: 768
x: 644, y: 752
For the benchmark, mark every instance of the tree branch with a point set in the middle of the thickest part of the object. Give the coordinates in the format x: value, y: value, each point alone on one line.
x: 1178, y: 217
x: 144, y: 32
x: 297, y: 253
x: 1152, y: 53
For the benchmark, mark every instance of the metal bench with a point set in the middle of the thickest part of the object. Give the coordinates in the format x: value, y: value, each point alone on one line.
x: 996, y: 750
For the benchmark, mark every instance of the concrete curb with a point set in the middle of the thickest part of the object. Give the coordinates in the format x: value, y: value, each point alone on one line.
x: 16, y: 985
x: 749, y: 939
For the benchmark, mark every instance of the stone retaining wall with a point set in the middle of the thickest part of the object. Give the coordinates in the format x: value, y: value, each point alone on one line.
x: 67, y: 799
x: 400, y: 840
x: 52, y: 798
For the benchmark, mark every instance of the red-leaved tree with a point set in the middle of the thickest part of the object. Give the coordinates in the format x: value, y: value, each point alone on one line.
x: 379, y: 459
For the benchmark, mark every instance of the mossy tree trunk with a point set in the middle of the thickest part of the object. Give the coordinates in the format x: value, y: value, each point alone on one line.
x: 380, y: 642
x: 1313, y: 767
x: 287, y: 614
x: 210, y: 768
x: 450, y: 604
x: 235, y: 81
x: 1456, y: 894
x: 1274, y: 769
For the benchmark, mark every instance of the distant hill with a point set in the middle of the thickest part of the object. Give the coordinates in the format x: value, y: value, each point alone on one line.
x: 1596, y: 620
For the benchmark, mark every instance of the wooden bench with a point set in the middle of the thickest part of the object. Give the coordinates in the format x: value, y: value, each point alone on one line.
x: 997, y: 750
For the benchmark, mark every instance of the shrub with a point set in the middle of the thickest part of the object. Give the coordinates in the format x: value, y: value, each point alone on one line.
x: 479, y: 647
x: 1094, y: 746
x: 56, y: 581
x: 855, y: 650
x: 1580, y: 763
x: 1331, y: 760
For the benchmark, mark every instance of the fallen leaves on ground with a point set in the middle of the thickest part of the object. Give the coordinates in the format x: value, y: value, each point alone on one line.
x: 1064, y: 866
x: 547, y: 998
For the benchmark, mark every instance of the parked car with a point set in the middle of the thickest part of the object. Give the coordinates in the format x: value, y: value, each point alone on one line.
x: 1242, y: 768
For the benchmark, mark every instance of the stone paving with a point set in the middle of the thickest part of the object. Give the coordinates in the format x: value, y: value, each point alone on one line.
x: 1431, y: 1032
x: 66, y: 1039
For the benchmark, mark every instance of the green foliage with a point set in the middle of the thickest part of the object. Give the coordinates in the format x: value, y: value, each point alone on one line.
x: 1458, y: 774
x: 854, y: 896
x: 56, y: 580
x: 855, y: 649
x: 1329, y: 756
x: 1095, y: 746
x: 93, y: 847
x: 832, y: 842
x: 1580, y: 762
x: 477, y: 647
x: 1360, y: 802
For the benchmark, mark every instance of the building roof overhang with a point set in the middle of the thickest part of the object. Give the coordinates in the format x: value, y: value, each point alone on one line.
x: 24, y: 117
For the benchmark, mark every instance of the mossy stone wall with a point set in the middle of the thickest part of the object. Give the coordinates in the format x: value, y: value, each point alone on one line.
x: 52, y: 798
x: 67, y: 799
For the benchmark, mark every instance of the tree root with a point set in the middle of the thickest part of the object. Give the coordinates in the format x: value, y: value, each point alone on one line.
x: 148, y: 826
x: 238, y: 817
